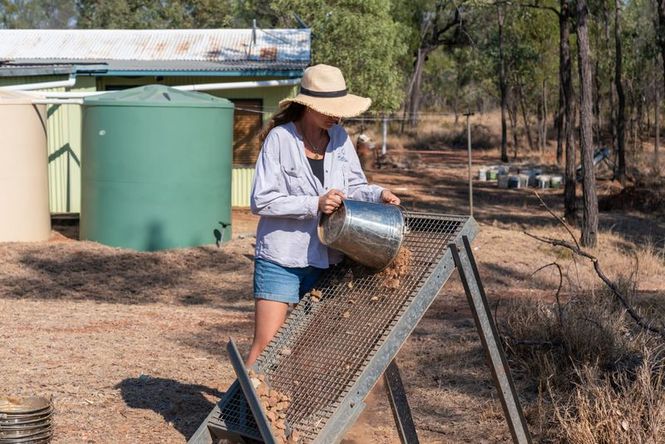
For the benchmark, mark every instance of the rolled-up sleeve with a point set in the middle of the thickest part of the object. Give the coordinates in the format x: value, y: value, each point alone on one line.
x: 358, y: 188
x: 269, y: 194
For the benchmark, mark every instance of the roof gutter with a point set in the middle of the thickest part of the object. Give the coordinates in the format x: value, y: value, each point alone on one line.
x: 238, y: 85
x: 196, y: 87
x: 43, y: 85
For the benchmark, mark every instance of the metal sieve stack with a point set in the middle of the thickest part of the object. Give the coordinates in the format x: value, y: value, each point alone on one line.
x: 25, y: 420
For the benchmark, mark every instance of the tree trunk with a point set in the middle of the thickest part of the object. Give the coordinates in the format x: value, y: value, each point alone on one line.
x: 539, y: 126
x: 612, y: 115
x: 590, y: 213
x: 413, y: 90
x: 656, y: 162
x: 527, y: 127
x: 413, y: 99
x: 648, y: 115
x: 661, y: 40
x: 503, y: 87
x: 545, y: 110
x: 570, y: 185
x: 560, y: 117
x: 597, y: 99
x: 621, y: 110
x: 512, y: 114
x: 456, y: 108
x: 640, y: 117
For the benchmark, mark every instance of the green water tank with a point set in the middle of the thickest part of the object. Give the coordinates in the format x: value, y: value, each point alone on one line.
x: 156, y: 168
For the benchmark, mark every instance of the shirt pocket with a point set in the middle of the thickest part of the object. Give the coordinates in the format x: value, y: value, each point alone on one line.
x: 338, y: 178
x: 295, y: 183
x: 346, y: 174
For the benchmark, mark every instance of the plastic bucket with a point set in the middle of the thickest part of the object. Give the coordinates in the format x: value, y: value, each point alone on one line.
x: 369, y: 233
x: 482, y: 174
x: 555, y: 181
x: 523, y: 180
x: 543, y: 181
x: 513, y: 181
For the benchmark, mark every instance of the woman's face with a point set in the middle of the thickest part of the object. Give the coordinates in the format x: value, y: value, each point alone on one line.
x: 321, y: 120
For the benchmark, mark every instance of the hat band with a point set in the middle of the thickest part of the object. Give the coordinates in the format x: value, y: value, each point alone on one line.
x: 309, y: 92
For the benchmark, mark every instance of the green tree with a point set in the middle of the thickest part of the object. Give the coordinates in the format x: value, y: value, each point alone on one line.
x: 166, y: 14
x: 433, y: 24
x: 358, y: 36
x: 21, y: 14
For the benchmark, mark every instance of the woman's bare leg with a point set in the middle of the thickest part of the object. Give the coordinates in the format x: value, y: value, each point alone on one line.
x: 268, y: 317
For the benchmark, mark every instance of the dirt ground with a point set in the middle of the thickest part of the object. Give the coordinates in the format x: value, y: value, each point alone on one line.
x: 131, y: 346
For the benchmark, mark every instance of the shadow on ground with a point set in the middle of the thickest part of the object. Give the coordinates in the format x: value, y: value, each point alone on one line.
x: 211, y: 276
x: 182, y: 405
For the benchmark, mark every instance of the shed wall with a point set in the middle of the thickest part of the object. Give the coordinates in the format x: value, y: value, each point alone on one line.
x: 64, y: 131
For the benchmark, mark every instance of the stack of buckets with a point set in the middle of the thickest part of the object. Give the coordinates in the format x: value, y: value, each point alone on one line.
x: 523, y: 178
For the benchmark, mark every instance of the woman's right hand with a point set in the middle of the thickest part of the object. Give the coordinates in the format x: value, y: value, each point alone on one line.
x: 330, y: 201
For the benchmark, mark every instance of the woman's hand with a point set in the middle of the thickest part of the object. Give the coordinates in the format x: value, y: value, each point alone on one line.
x: 388, y: 197
x: 331, y: 201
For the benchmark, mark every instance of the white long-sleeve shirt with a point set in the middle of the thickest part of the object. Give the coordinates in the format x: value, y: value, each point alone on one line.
x: 286, y: 194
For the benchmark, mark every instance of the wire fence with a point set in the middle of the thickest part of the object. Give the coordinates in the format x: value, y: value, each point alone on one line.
x: 378, y: 117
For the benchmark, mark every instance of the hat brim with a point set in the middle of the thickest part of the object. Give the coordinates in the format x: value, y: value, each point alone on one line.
x: 345, y: 106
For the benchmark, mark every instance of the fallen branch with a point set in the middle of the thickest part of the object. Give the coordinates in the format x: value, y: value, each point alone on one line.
x: 611, y: 285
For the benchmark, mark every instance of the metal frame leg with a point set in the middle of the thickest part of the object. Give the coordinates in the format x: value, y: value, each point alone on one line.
x: 213, y: 428
x: 250, y: 394
x: 475, y: 293
x: 203, y: 435
x: 399, y: 404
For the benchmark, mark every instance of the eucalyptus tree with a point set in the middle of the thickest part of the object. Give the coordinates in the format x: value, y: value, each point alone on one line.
x: 433, y: 24
x: 590, y: 211
x: 643, y: 69
x: 566, y: 122
x: 503, y: 83
x: 621, y: 109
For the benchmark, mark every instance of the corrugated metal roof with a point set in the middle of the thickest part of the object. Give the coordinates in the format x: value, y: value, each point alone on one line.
x: 35, y: 70
x: 214, y: 49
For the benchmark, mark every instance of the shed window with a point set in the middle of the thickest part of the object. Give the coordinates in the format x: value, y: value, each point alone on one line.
x: 247, y: 124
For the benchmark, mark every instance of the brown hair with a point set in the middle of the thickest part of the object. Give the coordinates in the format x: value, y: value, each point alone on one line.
x: 291, y: 113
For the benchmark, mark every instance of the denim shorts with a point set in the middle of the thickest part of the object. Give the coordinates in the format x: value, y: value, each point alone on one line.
x: 282, y: 284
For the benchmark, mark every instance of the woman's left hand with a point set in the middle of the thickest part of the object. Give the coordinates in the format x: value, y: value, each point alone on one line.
x: 388, y: 197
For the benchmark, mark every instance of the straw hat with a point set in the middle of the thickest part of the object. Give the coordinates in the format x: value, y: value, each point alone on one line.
x: 323, y: 89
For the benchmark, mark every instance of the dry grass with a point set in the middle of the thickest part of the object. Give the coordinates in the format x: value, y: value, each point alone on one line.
x: 622, y: 408
x: 595, y: 376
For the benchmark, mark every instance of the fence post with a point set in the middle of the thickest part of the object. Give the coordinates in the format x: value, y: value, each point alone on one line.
x: 468, y: 140
x: 385, y: 135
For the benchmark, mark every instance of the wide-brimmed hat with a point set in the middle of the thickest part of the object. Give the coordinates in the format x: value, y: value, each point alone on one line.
x: 323, y: 89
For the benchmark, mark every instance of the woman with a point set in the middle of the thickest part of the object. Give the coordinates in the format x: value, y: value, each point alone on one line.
x: 307, y: 166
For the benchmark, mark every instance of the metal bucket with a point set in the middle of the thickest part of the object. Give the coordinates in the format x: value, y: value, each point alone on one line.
x: 368, y: 233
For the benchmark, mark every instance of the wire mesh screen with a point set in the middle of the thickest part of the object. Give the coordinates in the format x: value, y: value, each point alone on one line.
x: 327, y: 341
